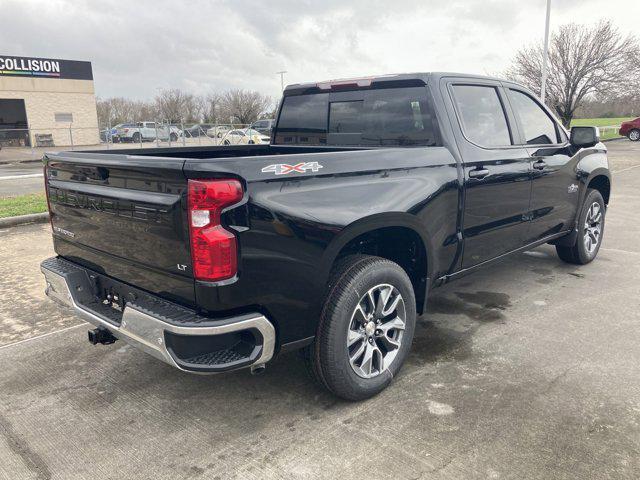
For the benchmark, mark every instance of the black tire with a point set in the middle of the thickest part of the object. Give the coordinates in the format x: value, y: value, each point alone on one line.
x: 579, y: 253
x: 173, y: 137
x: 634, y: 135
x: 327, y: 359
x: 226, y: 142
x: 135, y: 137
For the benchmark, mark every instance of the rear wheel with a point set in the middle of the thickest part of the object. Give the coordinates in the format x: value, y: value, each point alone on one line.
x: 366, y: 327
x: 590, y: 231
x: 135, y: 137
x: 173, y: 137
x: 634, y: 135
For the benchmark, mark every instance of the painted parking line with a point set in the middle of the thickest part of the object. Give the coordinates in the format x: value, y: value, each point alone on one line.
x: 17, y: 177
x: 625, y: 169
x: 30, y: 339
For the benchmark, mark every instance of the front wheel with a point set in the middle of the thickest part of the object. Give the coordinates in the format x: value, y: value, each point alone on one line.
x: 634, y: 135
x: 590, y: 231
x: 366, y: 327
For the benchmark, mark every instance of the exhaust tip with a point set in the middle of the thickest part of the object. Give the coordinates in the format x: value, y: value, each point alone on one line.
x: 258, y: 369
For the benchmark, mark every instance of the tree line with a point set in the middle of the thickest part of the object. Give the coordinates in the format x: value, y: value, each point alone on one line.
x: 177, y: 106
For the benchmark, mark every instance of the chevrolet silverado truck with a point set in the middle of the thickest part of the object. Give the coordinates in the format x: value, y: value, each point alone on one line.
x: 373, y: 192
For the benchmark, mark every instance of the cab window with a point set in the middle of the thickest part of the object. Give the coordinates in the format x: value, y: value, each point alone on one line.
x: 537, y: 127
x: 481, y: 115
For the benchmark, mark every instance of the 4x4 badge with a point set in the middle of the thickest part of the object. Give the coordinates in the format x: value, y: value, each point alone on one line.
x: 284, y: 168
x: 573, y: 188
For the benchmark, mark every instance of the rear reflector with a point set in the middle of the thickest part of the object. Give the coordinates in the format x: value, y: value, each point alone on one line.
x: 214, y: 250
x: 46, y: 191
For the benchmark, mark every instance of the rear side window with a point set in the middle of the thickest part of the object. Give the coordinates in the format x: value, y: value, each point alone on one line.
x: 537, y: 126
x: 304, y: 120
x: 377, y: 117
x: 481, y: 115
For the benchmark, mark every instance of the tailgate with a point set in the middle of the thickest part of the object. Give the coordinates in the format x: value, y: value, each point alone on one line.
x: 124, y: 216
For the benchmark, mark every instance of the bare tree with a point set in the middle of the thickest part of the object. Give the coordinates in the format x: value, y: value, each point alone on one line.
x: 209, y: 107
x: 112, y: 111
x: 243, y: 106
x: 176, y: 106
x: 583, y: 62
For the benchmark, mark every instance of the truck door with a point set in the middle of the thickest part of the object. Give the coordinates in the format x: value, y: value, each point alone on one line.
x: 497, y: 176
x: 554, y: 193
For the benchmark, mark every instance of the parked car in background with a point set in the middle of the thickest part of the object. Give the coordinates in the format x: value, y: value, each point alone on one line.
x: 247, y: 136
x: 118, y: 131
x: 218, y: 131
x: 111, y: 135
x: 631, y: 129
x: 263, y: 126
x: 197, y: 130
x: 148, y: 131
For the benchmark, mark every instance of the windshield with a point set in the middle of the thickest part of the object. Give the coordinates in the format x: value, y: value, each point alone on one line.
x: 378, y: 117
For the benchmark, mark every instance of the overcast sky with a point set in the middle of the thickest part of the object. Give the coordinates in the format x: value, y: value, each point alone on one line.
x: 138, y: 47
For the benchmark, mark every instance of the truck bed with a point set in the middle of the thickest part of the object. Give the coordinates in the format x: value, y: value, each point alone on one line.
x: 123, y: 213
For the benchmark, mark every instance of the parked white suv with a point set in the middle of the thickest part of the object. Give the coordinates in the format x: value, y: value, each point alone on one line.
x: 148, y: 131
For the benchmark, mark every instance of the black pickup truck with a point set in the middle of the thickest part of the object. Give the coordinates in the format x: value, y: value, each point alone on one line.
x: 372, y: 192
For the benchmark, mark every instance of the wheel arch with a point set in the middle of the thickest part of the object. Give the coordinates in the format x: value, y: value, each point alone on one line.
x: 602, y: 183
x: 398, y: 237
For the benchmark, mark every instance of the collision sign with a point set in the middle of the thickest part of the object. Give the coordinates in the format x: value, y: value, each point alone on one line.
x: 45, y: 67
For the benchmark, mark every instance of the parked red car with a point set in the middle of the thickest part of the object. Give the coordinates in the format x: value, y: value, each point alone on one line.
x: 631, y: 129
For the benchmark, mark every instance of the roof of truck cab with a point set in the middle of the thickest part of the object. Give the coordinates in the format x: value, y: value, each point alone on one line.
x: 425, y: 77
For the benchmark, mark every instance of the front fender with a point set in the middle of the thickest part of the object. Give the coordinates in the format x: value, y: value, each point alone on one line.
x: 593, y: 162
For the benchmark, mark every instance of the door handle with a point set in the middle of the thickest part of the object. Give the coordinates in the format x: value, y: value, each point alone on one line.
x: 478, y: 173
x: 540, y: 165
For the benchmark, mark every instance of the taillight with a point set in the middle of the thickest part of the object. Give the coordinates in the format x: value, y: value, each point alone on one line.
x: 214, y: 250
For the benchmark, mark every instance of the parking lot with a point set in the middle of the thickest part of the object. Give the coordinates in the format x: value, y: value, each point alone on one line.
x: 527, y: 369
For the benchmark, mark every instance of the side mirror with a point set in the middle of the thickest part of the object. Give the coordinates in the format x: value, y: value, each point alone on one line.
x: 584, y: 137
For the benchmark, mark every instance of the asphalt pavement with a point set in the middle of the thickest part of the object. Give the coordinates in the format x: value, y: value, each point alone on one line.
x: 529, y: 369
x: 20, y: 178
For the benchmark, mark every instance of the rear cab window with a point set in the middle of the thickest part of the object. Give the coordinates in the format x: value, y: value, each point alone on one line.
x: 375, y: 117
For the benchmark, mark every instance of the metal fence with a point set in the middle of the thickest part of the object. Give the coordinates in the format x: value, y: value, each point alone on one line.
x: 162, y: 134
x: 143, y: 134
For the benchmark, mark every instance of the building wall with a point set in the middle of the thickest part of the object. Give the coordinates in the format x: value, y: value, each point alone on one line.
x: 44, y: 97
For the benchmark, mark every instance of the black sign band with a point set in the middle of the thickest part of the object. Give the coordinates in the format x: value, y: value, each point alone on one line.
x: 44, y: 68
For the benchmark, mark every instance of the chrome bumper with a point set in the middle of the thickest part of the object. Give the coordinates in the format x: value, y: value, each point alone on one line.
x: 146, y: 330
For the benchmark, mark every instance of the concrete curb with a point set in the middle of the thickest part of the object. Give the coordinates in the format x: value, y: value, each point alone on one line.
x: 613, y: 139
x: 24, y: 219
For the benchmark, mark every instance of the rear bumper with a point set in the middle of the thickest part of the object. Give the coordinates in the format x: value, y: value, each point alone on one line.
x: 167, y: 331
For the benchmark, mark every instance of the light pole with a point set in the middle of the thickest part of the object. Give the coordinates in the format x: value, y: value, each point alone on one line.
x: 281, y: 78
x: 545, y: 53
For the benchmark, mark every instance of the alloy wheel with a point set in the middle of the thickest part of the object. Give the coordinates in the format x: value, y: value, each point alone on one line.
x: 593, y: 228
x: 376, y: 330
